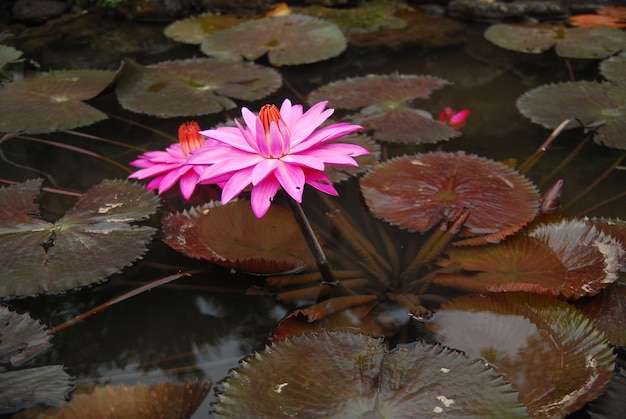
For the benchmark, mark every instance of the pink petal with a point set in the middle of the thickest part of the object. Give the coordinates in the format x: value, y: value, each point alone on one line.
x: 230, y: 165
x: 309, y: 122
x: 171, y: 178
x: 291, y: 178
x: 325, y: 134
x: 289, y: 113
x: 231, y: 136
x: 305, y: 159
x: 237, y: 183
x: 154, y: 183
x: 154, y: 171
x: 320, y: 182
x: 262, y: 169
x: 188, y: 183
x: 262, y: 194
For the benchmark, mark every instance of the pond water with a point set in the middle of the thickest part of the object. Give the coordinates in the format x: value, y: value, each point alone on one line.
x: 201, y: 327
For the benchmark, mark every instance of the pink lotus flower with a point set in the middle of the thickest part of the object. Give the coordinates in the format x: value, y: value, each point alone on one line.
x: 274, y: 149
x: 455, y: 119
x: 170, y: 166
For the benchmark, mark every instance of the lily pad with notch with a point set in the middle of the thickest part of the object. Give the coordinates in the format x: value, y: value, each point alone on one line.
x: 231, y: 236
x: 353, y: 375
x: 93, y: 240
x: 50, y: 101
x: 548, y: 350
x: 192, y: 87
x: 595, y: 105
x: 288, y: 40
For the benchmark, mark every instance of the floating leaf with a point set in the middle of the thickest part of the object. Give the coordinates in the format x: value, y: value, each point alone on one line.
x: 46, y: 102
x: 546, y: 348
x: 528, y: 39
x: 159, y: 401
x: 614, y: 68
x: 9, y: 55
x: 591, y: 103
x: 232, y: 236
x: 607, y: 311
x: 92, y: 241
x: 389, y: 89
x: 281, y: 37
x: 193, y: 29
x: 351, y: 375
x: 567, y: 258
x: 192, y: 87
x: 594, y: 42
x: 417, y: 192
x: 21, y: 339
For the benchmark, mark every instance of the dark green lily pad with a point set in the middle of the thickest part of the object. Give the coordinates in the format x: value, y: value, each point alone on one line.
x: 158, y: 401
x: 351, y: 375
x: 548, y: 350
x: 230, y: 235
x: 192, y: 30
x: 192, y: 87
x: 591, y: 103
x: 46, y: 102
x: 417, y: 192
x: 9, y: 55
x: 593, y: 42
x: 22, y: 339
x: 614, y: 68
x: 288, y: 40
x: 92, y: 241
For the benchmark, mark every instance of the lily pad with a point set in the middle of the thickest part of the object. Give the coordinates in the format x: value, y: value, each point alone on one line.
x: 594, y: 104
x: 231, y: 236
x: 547, y: 349
x: 566, y: 258
x: 92, y: 241
x: 21, y: 339
x: 607, y: 311
x: 417, y: 192
x: 46, y: 102
x: 351, y: 375
x: 159, y: 401
x: 192, y: 87
x: 388, y: 89
x: 9, y: 55
x: 192, y: 30
x: 611, y: 402
x: 593, y: 42
x: 281, y: 37
x: 614, y: 68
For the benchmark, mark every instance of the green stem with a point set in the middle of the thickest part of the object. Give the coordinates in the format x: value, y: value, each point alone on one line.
x: 312, y: 242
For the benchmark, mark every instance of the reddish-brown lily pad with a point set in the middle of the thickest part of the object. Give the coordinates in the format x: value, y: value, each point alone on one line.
x: 417, y: 192
x: 566, y: 258
x: 593, y: 104
x: 288, y: 40
x: 341, y: 374
x: 46, y: 102
x: 159, y: 401
x: 192, y: 87
x: 232, y: 236
x: 607, y: 311
x: 547, y: 349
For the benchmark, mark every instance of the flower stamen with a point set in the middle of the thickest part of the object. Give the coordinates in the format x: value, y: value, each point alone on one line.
x: 189, y: 137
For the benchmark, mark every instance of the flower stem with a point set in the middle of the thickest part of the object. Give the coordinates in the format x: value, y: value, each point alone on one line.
x: 312, y: 242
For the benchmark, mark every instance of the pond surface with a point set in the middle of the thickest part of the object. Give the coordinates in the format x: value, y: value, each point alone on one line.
x: 201, y: 327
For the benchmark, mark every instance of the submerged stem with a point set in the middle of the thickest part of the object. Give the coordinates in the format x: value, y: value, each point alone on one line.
x: 311, y: 241
x: 534, y: 158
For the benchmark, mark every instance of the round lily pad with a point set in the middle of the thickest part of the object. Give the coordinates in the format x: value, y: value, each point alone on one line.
x: 614, y: 68
x: 192, y: 87
x: 46, y: 102
x: 192, y: 30
x: 417, y: 192
x: 547, y: 349
x: 288, y: 40
x: 230, y: 235
x: 91, y: 241
x: 608, y: 312
x: 522, y: 38
x: 602, y: 104
x: 340, y: 374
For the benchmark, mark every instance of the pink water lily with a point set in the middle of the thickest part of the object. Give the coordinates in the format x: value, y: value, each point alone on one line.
x: 170, y: 166
x: 455, y: 119
x: 277, y: 148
